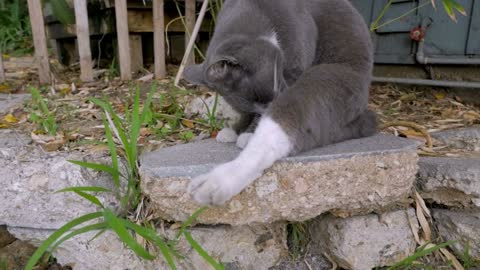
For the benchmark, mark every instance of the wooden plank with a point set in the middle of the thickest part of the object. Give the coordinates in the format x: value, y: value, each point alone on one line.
x: 39, y: 40
x: 190, y: 23
x: 141, y: 21
x: 123, y: 39
x: 473, y: 45
x: 136, y: 53
x: 83, y: 37
x: 159, y: 38
x: 2, y: 69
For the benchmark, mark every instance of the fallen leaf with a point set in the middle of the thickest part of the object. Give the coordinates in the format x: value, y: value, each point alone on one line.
x: 3, y: 125
x: 49, y: 143
x: 9, y: 118
x: 188, y: 123
x: 145, y: 132
x: 439, y: 95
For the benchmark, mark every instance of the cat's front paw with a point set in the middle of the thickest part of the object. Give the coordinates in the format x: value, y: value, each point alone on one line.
x: 226, y: 135
x: 219, y: 185
x: 243, y: 139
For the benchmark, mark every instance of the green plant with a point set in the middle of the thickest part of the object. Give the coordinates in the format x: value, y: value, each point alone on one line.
x: 411, y: 261
x: 298, y: 239
x: 450, y: 7
x: 213, y: 123
x: 15, y: 30
x: 126, y: 190
x: 466, y: 258
x: 40, y: 113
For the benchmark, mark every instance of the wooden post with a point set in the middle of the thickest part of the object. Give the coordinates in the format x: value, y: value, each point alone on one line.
x: 136, y: 53
x: 83, y: 38
x: 159, y: 39
x: 123, y: 39
x: 190, y: 23
x: 39, y: 40
x: 2, y: 70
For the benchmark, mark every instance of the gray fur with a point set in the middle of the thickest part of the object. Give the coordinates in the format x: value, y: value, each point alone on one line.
x: 315, y: 84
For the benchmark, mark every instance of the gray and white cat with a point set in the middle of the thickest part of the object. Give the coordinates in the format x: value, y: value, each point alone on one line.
x: 297, y: 70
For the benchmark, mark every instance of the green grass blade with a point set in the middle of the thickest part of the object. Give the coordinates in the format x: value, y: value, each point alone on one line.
x: 96, y: 167
x: 113, y: 152
x: 122, y: 232
x: 85, y: 189
x: 56, y: 235
x: 419, y: 254
x: 190, y: 221
x: 148, y: 102
x: 151, y: 235
x: 202, y: 252
x: 88, y: 228
x: 135, y: 128
x: 89, y: 197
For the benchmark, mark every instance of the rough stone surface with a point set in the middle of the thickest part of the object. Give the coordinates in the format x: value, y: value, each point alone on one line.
x: 466, y: 138
x: 223, y: 111
x: 461, y: 226
x: 309, y: 262
x: 245, y: 248
x: 366, y: 242
x: 353, y: 177
x: 8, y: 101
x: 5, y: 237
x: 30, y: 177
x: 450, y: 181
x: 15, y: 255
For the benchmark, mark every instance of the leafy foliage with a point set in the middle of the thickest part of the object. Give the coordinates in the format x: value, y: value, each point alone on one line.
x: 126, y: 190
x: 41, y: 114
x: 15, y: 30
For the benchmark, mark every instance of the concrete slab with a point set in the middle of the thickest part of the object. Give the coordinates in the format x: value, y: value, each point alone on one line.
x: 450, y: 181
x: 11, y: 100
x: 352, y: 177
x: 466, y: 138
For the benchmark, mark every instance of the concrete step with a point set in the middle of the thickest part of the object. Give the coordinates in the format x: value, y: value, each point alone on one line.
x: 349, y: 178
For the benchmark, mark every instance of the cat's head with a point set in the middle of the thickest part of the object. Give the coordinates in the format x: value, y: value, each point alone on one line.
x: 248, y: 73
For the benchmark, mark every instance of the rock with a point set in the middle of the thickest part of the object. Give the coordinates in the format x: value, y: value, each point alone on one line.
x: 30, y: 177
x: 15, y: 255
x: 223, y: 111
x: 317, y: 262
x: 5, y: 237
x: 462, y: 226
x: 366, y: 242
x: 465, y: 138
x: 8, y: 101
x: 450, y: 181
x: 245, y: 247
x: 352, y: 177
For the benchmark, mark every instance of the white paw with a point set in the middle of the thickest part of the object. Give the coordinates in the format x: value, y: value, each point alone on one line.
x: 243, y: 139
x: 226, y: 135
x: 221, y: 184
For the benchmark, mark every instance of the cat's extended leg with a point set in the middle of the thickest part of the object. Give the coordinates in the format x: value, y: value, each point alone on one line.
x: 245, y: 137
x: 268, y: 144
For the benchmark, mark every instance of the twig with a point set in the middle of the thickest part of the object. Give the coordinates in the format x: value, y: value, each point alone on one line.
x: 203, y: 10
x: 415, y: 126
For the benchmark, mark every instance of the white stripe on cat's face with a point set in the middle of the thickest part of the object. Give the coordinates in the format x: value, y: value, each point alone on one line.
x: 268, y: 144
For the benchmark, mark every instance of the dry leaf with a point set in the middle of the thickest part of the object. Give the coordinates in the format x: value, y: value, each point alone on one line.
x: 145, y: 132
x: 439, y: 95
x: 47, y: 142
x: 452, y: 258
x: 9, y: 118
x: 187, y: 123
x: 3, y: 125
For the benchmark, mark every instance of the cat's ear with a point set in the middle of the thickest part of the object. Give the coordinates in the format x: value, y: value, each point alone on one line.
x: 219, y: 70
x: 194, y: 74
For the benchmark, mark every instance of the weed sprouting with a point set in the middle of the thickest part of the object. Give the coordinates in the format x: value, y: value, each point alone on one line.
x: 40, y: 113
x: 126, y: 189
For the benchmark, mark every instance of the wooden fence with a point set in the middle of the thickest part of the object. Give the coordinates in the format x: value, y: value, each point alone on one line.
x: 123, y: 38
